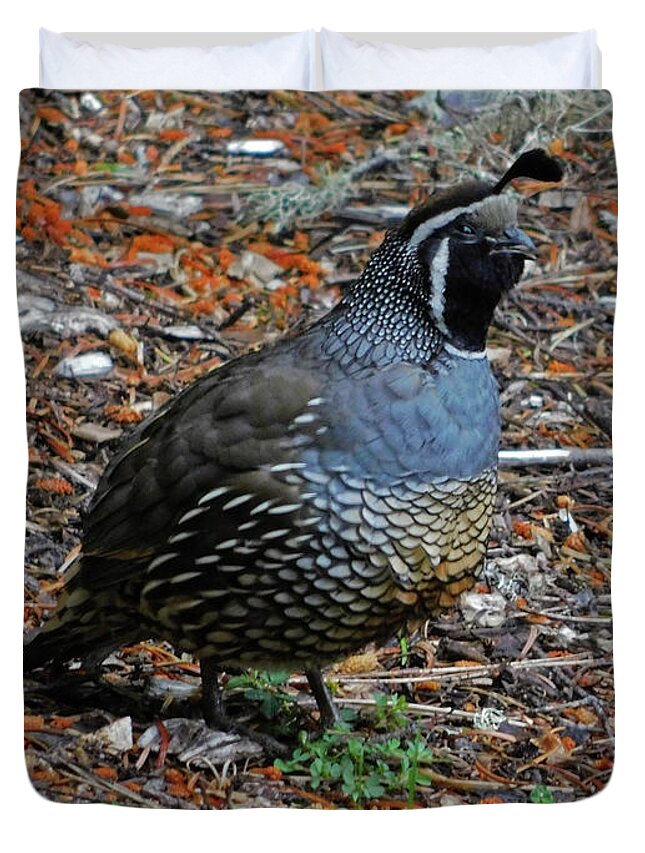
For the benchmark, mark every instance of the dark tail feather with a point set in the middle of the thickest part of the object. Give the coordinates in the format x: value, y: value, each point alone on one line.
x: 53, y: 647
x: 41, y: 650
x: 84, y: 625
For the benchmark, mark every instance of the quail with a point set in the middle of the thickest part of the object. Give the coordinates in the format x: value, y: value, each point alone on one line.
x: 308, y: 498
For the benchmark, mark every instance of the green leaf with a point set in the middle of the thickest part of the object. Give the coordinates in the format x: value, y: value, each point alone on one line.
x: 270, y: 706
x: 541, y: 794
x: 405, y: 652
x: 276, y: 677
x: 298, y: 761
x: 348, y: 770
x: 373, y: 787
x: 107, y: 167
x: 238, y: 681
x: 348, y: 715
x: 363, y: 769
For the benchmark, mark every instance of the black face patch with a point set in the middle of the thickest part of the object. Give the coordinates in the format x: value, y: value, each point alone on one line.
x: 482, y: 270
x: 508, y: 270
x: 468, y: 274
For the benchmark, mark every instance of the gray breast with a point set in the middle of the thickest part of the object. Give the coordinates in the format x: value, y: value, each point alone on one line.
x: 406, y: 420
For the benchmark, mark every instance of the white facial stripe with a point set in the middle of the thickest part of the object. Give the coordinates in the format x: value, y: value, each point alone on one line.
x: 504, y: 205
x: 436, y: 222
x: 427, y: 228
x: 438, y: 270
x: 470, y: 355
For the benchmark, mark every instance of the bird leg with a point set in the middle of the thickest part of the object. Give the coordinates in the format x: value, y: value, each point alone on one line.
x: 216, y: 718
x: 212, y: 701
x: 329, y: 713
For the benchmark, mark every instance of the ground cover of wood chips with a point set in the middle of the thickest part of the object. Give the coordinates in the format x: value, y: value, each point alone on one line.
x: 161, y: 234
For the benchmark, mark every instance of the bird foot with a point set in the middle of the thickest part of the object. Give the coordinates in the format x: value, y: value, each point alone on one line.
x: 216, y: 717
x: 223, y: 723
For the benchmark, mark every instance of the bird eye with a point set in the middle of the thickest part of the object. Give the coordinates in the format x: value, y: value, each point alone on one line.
x: 465, y: 229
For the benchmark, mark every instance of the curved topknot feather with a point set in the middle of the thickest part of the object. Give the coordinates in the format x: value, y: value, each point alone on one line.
x: 535, y: 164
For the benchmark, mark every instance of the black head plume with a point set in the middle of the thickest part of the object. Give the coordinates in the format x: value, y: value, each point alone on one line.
x: 534, y: 164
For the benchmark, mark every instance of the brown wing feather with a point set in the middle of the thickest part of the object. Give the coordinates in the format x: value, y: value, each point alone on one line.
x: 232, y: 423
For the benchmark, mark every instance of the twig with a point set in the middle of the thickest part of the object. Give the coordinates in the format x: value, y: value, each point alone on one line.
x: 237, y: 313
x: 83, y: 776
x: 556, y: 456
x: 479, y: 785
x: 428, y: 710
x: 565, y: 617
x: 411, y: 676
x: 122, y: 290
x: 72, y: 472
x: 570, y: 280
x: 578, y: 128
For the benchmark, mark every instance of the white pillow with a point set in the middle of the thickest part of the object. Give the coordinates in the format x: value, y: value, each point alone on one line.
x: 285, y: 62
x: 566, y: 62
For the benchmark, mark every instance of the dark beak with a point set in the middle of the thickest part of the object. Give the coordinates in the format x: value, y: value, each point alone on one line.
x: 514, y: 242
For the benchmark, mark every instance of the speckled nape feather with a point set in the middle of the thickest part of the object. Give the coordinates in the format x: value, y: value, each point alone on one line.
x: 314, y: 496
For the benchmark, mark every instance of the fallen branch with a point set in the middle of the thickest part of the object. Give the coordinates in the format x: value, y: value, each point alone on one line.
x: 559, y: 456
x: 459, y: 673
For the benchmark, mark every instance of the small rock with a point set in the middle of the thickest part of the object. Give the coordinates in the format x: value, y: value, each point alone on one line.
x: 85, y: 366
x: 520, y: 574
x: 91, y: 102
x: 251, y: 265
x: 96, y: 433
x: 115, y: 738
x: 486, y: 609
x: 566, y: 637
x: 175, y: 205
x: 582, y: 219
x: 183, y: 333
x: 68, y: 323
x: 489, y: 718
x: 255, y: 147
x: 33, y: 311
x: 451, y: 800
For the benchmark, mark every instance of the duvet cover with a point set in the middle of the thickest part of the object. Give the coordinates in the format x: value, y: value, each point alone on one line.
x: 162, y: 236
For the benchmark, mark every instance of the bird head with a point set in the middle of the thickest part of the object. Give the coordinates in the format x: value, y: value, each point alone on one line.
x: 471, y: 250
